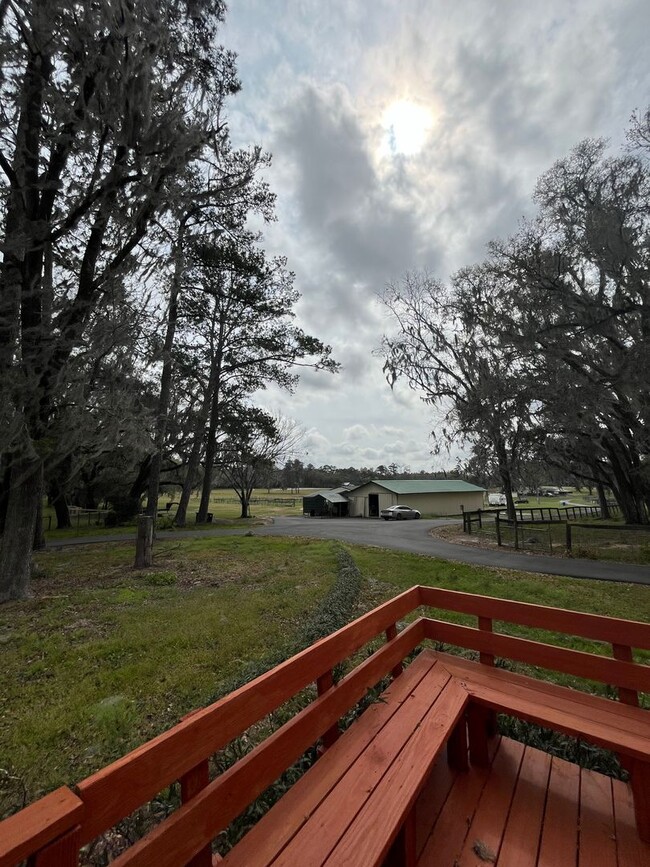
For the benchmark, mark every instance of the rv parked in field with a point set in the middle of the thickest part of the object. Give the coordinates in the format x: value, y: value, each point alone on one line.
x: 496, y: 499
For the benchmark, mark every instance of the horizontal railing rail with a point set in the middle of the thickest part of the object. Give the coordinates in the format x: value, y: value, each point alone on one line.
x: 53, y: 829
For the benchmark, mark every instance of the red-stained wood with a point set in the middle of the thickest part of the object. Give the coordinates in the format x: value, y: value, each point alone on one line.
x: 179, y: 838
x: 489, y: 822
x: 38, y: 824
x: 280, y: 824
x: 631, y: 850
x: 587, y: 665
x: 614, y: 714
x: 323, y: 683
x: 403, y: 851
x: 62, y: 852
x: 589, y: 727
x: 485, y: 623
x: 520, y: 842
x: 607, y: 629
x: 391, y: 633
x: 450, y: 831
x: 366, y: 840
x: 478, y: 731
x: 431, y: 800
x: 457, y: 754
x: 316, y: 839
x: 115, y: 791
x: 640, y: 784
x: 192, y: 783
x: 597, y: 833
x: 624, y: 653
x: 560, y: 834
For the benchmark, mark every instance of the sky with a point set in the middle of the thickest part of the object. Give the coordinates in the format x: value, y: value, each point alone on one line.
x: 405, y: 136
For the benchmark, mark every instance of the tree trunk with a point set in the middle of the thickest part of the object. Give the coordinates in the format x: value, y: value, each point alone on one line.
x: 211, y: 441
x: 39, y: 529
x: 18, y: 537
x: 192, y: 467
x: 602, y: 500
x: 166, y: 377
x: 197, y: 446
x: 244, y: 507
x: 60, y: 504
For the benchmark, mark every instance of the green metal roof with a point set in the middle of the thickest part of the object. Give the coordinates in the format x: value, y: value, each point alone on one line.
x: 426, y: 486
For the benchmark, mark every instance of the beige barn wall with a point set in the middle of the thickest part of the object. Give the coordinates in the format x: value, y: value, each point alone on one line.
x: 428, y: 504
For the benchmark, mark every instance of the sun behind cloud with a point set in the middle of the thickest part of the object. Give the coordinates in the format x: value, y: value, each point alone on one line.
x: 406, y: 126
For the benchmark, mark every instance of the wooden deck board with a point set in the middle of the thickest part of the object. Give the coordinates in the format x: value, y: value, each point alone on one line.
x: 523, y: 832
x: 486, y: 831
x: 597, y: 836
x: 448, y: 835
x: 632, y: 851
x: 560, y: 832
x: 529, y: 809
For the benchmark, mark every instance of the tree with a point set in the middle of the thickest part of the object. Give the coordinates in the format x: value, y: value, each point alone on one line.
x: 574, y: 297
x: 239, y: 332
x: 443, y: 352
x: 254, y: 442
x: 103, y: 105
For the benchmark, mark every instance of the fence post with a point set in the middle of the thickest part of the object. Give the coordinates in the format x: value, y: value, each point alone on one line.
x: 568, y: 535
x: 144, y: 542
x: 498, y: 528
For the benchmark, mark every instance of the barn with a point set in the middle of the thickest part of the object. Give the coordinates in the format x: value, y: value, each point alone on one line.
x: 331, y: 504
x: 429, y: 496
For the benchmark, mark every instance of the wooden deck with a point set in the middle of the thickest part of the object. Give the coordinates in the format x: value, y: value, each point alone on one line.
x: 526, y: 810
x: 419, y: 778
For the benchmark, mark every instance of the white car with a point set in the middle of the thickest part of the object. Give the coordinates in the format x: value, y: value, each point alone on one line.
x: 399, y: 513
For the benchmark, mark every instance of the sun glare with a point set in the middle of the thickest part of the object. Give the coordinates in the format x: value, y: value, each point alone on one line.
x: 406, y: 125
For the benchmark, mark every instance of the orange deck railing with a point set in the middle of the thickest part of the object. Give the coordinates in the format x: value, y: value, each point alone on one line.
x: 52, y: 830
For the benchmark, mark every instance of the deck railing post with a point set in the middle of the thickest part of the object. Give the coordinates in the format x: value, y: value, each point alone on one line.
x: 486, y: 625
x: 323, y: 683
x: 627, y: 696
x: 391, y: 634
x: 193, y: 782
x: 62, y: 852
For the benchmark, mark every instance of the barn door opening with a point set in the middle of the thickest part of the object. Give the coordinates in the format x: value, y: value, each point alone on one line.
x: 373, y: 505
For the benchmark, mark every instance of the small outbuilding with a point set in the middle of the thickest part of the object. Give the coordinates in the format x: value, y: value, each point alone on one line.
x: 429, y: 496
x: 326, y: 504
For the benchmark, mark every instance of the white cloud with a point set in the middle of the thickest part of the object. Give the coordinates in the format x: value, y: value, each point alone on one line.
x: 510, y: 87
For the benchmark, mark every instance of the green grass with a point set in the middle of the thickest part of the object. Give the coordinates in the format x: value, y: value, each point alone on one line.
x: 105, y: 657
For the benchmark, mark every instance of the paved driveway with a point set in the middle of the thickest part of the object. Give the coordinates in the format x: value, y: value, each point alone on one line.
x: 411, y: 536
x: 414, y: 536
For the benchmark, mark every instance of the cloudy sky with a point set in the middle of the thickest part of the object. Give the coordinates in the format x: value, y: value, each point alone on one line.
x: 405, y: 135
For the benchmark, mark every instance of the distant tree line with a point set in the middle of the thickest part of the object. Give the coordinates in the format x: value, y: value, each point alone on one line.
x: 138, y: 311
x: 539, y: 355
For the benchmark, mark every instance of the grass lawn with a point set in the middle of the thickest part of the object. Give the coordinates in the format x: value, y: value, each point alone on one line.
x: 105, y: 657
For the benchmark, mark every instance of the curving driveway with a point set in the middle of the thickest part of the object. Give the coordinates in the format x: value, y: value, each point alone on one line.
x: 413, y: 537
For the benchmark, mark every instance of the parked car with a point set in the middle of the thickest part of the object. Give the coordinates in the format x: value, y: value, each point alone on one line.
x: 399, y: 513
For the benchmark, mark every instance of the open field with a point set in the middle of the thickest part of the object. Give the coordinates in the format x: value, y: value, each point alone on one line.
x: 224, y: 513
x: 104, y: 657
